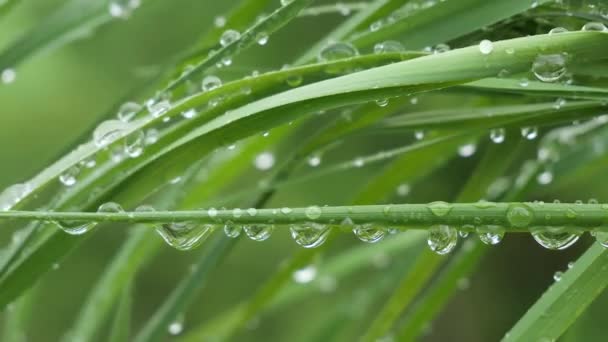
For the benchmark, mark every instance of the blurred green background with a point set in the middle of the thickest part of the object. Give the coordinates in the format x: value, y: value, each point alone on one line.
x: 60, y: 95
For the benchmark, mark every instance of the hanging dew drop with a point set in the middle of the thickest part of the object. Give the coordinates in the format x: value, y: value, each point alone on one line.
x: 176, y: 327
x: 497, y: 135
x: 419, y: 135
x: 211, y: 82
x: 403, y: 189
x: 75, y: 227
x: 555, y: 238
x: 151, y: 136
x: 486, y: 47
x: 127, y: 111
x: 68, y: 178
x: 544, y: 177
x: 229, y: 37
x: 232, y: 230
x: 258, y: 232
x: 549, y: 68
x: 314, y: 160
x: 134, y: 144
x: 184, y: 235
x: 156, y: 109
x: 107, y: 132
x: 369, y: 233
x: 490, y: 235
x: 442, y: 239
x: 467, y: 150
x: 382, y: 102
x: 313, y: 212
x: 309, y: 235
x: 294, y: 80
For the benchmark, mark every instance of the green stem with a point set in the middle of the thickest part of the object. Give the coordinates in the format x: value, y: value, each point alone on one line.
x: 512, y: 216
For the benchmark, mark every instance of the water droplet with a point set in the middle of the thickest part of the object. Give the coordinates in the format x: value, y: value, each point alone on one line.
x: 557, y: 276
x: 490, y: 235
x: 440, y: 208
x: 127, y: 111
x: 258, y: 232
x: 184, y: 235
x: 497, y: 135
x: 570, y: 264
x: 107, y: 132
x: 388, y: 47
x: 189, y: 114
x: 13, y: 195
x: 555, y: 238
x: 252, y: 212
x: 314, y: 160
x: 134, y: 144
x: 8, y: 76
x: 544, y: 177
x: 176, y: 327
x: 294, y: 80
x: 229, y: 37
x: 68, y: 178
x: 403, y: 189
x: 219, y: 21
x: 305, y: 275
x: 151, y: 136
x: 594, y: 26
x: 232, y: 230
x: 419, y: 135
x: 110, y: 207
x: 313, y: 212
x: 442, y: 239
x: 359, y: 162
x: 557, y: 30
x: 211, y: 82
x: 382, y: 102
x: 369, y: 232
x: 529, y: 133
x: 519, y: 215
x: 549, y: 68
x: 75, y: 227
x: 264, y: 161
x: 441, y: 48
x: 486, y: 47
x: 467, y: 150
x: 309, y: 235
x: 286, y: 2
x: 212, y: 212
x: 602, y: 238
x: 524, y: 82
x: 336, y: 51
x: 262, y: 38
x: 286, y: 210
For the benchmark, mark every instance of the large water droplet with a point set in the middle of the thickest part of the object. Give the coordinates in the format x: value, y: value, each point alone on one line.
x: 232, y: 230
x: 529, y: 133
x: 440, y: 208
x: 490, y: 235
x: 229, y: 36
x: 369, y: 233
x: 158, y: 108
x: 594, y: 26
x: 184, y: 235
x: 258, y: 232
x: 555, y: 238
x: 336, y: 51
x: 110, y: 207
x: 549, y: 68
x: 107, y: 132
x: 442, y: 239
x: 467, y: 150
x: 309, y: 235
x: 176, y: 327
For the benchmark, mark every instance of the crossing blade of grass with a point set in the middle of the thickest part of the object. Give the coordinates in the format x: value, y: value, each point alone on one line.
x: 492, y: 165
x: 122, y: 319
x: 444, y: 21
x: 74, y: 20
x: 539, y: 88
x: 565, y: 300
x: 155, y: 327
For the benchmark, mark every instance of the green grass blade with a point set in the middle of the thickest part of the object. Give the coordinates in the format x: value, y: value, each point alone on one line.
x: 565, y: 300
x: 121, y: 326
